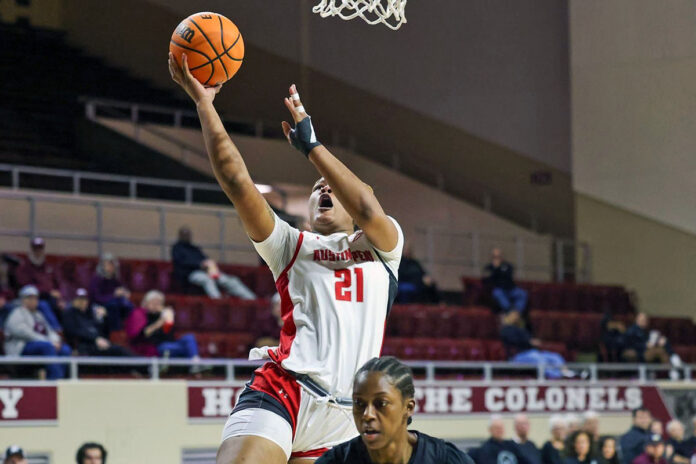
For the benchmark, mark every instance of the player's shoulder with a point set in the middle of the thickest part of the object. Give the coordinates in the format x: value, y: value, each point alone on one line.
x: 436, y: 450
x: 351, y: 452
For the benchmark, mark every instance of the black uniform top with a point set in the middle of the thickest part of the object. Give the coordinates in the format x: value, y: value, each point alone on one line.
x: 426, y: 450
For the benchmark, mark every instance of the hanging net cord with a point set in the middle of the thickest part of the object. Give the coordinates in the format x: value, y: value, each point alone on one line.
x: 392, y: 13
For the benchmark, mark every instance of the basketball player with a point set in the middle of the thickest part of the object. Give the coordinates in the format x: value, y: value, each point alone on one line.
x: 383, y: 403
x: 336, y: 285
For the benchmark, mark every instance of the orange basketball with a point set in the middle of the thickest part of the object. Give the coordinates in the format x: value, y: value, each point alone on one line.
x: 213, y: 45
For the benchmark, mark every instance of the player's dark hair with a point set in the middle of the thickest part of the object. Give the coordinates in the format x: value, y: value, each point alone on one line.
x: 400, y: 375
x: 80, y: 456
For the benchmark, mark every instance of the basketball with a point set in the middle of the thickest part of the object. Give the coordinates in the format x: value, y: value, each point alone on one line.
x: 213, y: 46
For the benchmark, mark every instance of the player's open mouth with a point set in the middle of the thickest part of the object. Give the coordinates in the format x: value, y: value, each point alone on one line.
x: 370, y: 434
x: 325, y: 202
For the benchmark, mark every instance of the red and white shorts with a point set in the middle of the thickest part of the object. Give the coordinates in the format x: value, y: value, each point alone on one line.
x: 274, y: 406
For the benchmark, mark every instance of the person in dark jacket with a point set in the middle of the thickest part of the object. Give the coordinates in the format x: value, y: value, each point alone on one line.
x: 499, y: 276
x: 383, y: 404
x: 524, y: 349
x: 496, y: 449
x: 645, y: 345
x: 552, y: 451
x: 527, y: 447
x: 106, y: 289
x: 654, y: 451
x: 613, y: 337
x: 86, y: 329
x: 608, y: 454
x: 683, y: 449
x: 581, y: 449
x: 415, y: 285
x: 191, y: 265
x: 633, y: 441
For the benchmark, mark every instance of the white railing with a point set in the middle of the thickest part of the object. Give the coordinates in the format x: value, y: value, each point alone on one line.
x: 488, y: 371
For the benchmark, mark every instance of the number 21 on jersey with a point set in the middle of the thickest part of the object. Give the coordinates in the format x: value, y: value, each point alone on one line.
x: 344, y: 284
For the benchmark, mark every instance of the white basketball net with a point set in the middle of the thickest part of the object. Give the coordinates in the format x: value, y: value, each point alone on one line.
x: 388, y: 12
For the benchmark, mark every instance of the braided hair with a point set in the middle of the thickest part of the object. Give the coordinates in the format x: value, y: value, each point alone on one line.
x: 400, y: 375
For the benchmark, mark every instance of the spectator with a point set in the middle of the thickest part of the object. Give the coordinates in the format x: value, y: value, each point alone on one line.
x: 656, y: 428
x: 15, y: 455
x: 150, y: 329
x: 415, y: 285
x: 496, y: 449
x: 498, y: 275
x: 633, y: 441
x: 527, y: 447
x: 654, y: 451
x: 524, y: 349
x: 37, y: 272
x: 590, y: 424
x: 106, y: 290
x: 613, y: 337
x: 573, y: 421
x: 27, y: 333
x: 191, y: 265
x: 86, y: 328
x: 683, y: 449
x: 91, y: 453
x: 607, y: 451
x: 580, y: 451
x: 268, y: 328
x: 553, y: 450
x: 649, y: 346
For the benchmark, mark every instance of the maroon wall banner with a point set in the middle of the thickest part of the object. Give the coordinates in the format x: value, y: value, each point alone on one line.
x: 20, y: 403
x: 452, y: 399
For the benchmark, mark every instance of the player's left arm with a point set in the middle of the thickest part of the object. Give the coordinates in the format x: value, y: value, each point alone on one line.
x: 355, y: 195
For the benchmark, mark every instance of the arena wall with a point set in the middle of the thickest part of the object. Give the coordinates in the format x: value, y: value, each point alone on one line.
x: 150, y: 421
x: 633, y: 65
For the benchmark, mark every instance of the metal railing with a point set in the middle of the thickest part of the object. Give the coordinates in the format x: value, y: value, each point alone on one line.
x: 428, y: 370
x: 102, y: 236
x: 468, y: 251
x: 133, y: 182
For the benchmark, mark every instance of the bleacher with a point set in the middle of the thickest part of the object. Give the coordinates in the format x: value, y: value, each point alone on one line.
x: 227, y: 328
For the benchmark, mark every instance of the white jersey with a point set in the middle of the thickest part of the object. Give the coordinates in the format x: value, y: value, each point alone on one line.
x: 336, y: 292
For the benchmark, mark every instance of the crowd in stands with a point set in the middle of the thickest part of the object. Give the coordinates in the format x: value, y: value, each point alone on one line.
x: 578, y: 440
x: 88, y: 453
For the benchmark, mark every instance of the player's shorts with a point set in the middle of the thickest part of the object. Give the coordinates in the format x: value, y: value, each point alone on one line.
x: 274, y: 406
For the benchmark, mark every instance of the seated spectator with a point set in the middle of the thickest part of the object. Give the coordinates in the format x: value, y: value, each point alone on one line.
x: 613, y: 338
x: 553, y: 450
x: 106, y: 290
x: 524, y: 349
x: 15, y: 455
x: 656, y: 428
x: 86, y: 328
x: 573, y: 422
x: 607, y: 451
x: 497, y: 449
x: 649, y: 346
x: 415, y: 285
x: 653, y: 453
x: 590, y: 424
x: 191, y: 265
x: 91, y: 453
x: 269, y: 325
x: 682, y: 449
x: 580, y: 451
x: 633, y: 441
x: 498, y: 275
x: 35, y: 271
x: 527, y: 447
x: 27, y: 333
x: 150, y: 329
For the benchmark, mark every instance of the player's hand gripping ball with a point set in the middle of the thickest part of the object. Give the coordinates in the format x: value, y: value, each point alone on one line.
x: 213, y: 45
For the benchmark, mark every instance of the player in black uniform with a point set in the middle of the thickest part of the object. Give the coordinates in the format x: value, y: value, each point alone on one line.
x: 383, y: 403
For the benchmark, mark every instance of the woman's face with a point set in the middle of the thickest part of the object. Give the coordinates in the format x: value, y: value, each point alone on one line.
x: 582, y: 444
x: 155, y: 305
x: 326, y: 214
x: 609, y: 448
x: 379, y: 410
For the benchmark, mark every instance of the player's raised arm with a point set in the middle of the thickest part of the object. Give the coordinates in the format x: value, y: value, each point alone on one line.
x: 228, y: 165
x: 356, y: 196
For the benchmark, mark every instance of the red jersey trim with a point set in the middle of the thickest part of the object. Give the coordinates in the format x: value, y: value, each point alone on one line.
x: 288, y: 332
